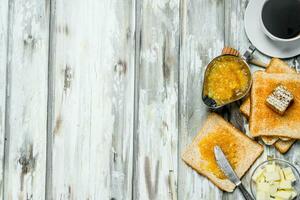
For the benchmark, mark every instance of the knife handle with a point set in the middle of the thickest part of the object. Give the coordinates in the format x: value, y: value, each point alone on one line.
x: 245, y: 193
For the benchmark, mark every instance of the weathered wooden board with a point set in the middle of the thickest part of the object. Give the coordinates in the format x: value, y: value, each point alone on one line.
x: 235, y: 37
x: 155, y: 167
x: 92, y: 81
x: 202, y: 38
x: 293, y: 154
x: 121, y: 81
x: 3, y: 62
x: 26, y: 118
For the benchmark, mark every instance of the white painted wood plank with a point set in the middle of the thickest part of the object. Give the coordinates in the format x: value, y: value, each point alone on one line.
x: 157, y: 127
x: 25, y: 162
x: 235, y: 37
x: 293, y: 155
x: 3, y: 62
x: 202, y: 38
x: 92, y: 80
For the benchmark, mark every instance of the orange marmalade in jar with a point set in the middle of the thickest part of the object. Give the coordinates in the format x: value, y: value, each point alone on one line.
x: 227, y: 79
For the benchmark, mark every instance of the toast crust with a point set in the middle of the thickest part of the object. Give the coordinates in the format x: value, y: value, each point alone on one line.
x: 213, y: 124
x: 245, y: 107
x: 269, y: 140
x: 284, y: 146
x: 264, y: 121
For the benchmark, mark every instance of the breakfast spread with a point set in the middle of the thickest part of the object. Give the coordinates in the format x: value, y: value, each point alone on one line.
x: 280, y: 99
x: 274, y: 182
x: 227, y: 78
x: 240, y: 150
x: 273, y: 110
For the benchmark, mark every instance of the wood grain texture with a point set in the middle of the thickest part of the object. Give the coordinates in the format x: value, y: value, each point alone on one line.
x: 26, y: 118
x: 3, y: 69
x: 157, y: 127
x: 105, y: 109
x: 202, y: 38
x: 235, y: 37
x: 92, y: 72
x: 293, y: 155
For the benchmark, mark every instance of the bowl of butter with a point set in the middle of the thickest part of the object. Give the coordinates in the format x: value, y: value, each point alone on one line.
x: 275, y: 179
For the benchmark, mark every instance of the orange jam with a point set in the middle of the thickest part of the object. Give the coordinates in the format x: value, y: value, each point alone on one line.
x: 228, y: 144
x: 227, y: 78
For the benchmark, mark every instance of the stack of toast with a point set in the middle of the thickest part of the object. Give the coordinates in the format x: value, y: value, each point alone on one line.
x: 274, y: 129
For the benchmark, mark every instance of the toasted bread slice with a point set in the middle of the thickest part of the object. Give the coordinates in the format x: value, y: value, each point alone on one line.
x: 279, y: 66
x: 284, y: 146
x: 285, y: 138
x: 275, y: 66
x: 245, y: 110
x: 263, y: 120
x: 245, y: 107
x: 240, y: 150
x: 269, y: 140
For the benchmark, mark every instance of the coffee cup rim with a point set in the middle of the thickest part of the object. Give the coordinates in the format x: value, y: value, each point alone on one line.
x: 270, y: 35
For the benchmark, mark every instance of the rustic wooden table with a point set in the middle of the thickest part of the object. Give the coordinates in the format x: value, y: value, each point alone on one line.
x: 98, y: 98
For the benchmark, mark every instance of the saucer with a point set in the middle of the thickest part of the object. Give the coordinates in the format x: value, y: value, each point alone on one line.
x: 262, y: 42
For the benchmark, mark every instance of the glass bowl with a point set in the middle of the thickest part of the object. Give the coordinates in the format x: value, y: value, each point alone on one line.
x: 282, y: 164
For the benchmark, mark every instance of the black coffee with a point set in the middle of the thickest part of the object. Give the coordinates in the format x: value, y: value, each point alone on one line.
x: 282, y: 18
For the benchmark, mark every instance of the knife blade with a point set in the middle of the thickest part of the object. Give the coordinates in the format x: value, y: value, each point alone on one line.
x: 225, y: 166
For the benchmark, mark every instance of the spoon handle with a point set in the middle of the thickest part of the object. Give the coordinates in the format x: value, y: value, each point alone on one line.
x: 258, y: 62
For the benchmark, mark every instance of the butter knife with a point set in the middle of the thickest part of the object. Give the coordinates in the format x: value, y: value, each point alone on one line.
x: 225, y: 166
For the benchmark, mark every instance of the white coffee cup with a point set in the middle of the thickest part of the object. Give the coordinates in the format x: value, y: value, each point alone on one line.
x: 272, y: 36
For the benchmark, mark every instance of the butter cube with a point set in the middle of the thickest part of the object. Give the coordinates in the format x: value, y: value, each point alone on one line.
x: 258, y: 175
x: 277, y: 198
x: 287, y: 170
x: 273, y: 188
x: 260, y: 195
x: 294, y: 194
x: 281, y: 174
x: 289, y: 175
x: 285, y: 185
x: 261, y: 179
x: 264, y: 187
x: 272, y: 176
x: 270, y: 167
x: 285, y: 195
